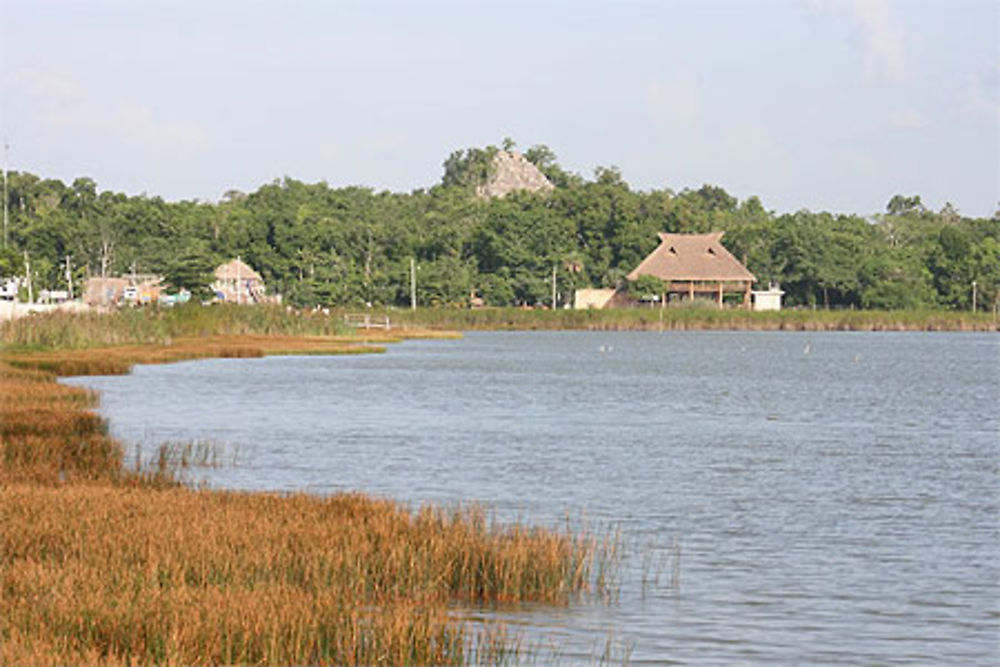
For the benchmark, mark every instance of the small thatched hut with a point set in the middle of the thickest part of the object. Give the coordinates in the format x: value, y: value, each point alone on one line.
x: 237, y: 282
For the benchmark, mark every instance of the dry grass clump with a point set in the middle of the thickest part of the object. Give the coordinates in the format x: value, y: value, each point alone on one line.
x: 101, y: 573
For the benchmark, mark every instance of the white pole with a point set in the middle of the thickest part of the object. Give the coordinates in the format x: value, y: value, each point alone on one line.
x: 413, y: 284
x: 973, y: 296
x: 553, y: 287
x: 239, y: 280
x: 69, y: 277
x: 27, y: 275
x: 6, y: 146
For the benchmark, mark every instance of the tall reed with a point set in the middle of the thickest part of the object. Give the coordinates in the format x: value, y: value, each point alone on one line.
x: 154, y: 325
x: 98, y: 572
x: 693, y: 318
x: 48, y: 434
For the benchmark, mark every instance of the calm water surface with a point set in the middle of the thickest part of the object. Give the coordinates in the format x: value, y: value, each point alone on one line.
x: 825, y: 498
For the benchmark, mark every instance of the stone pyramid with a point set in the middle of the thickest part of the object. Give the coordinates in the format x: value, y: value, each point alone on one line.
x: 511, y: 171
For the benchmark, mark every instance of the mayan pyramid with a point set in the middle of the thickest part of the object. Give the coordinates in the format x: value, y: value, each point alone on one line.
x: 511, y: 171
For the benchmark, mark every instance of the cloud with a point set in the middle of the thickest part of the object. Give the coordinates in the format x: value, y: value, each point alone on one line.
x: 981, y: 95
x: 883, y: 39
x: 908, y: 119
x: 881, y: 36
x: 46, y: 86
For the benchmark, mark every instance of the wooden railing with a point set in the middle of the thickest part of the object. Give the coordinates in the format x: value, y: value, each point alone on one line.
x: 367, y: 321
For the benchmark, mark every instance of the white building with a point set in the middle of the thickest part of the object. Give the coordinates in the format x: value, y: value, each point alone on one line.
x: 769, y: 299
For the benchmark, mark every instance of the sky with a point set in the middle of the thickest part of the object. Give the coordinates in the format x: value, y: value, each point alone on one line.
x: 826, y: 105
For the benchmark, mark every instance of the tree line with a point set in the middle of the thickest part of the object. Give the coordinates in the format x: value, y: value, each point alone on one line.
x: 320, y: 245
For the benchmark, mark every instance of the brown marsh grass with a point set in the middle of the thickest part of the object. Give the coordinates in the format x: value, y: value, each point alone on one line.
x: 103, y: 565
x: 47, y: 432
x: 104, y: 573
x: 118, y: 360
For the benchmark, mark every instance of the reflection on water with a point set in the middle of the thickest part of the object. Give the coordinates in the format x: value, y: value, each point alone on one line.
x: 827, y: 497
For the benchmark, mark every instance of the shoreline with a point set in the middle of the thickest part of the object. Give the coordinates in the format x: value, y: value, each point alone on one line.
x: 104, y: 564
x: 693, y: 319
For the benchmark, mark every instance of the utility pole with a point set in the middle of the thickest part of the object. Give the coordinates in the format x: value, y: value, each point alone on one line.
x: 973, y: 296
x: 553, y: 287
x: 69, y: 277
x: 413, y: 284
x: 27, y: 275
x: 6, y: 147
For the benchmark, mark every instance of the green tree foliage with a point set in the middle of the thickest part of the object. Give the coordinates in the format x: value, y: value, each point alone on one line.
x: 319, y: 245
x: 11, y: 262
x: 647, y: 288
x: 468, y: 168
x: 191, y: 270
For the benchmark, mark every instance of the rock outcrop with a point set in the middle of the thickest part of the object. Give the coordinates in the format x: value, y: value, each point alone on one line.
x: 511, y: 171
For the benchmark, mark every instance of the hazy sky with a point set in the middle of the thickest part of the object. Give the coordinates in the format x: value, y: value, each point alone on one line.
x: 821, y: 104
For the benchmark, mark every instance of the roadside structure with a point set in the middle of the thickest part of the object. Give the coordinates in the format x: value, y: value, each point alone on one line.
x: 135, y: 289
x: 237, y: 282
x: 694, y: 266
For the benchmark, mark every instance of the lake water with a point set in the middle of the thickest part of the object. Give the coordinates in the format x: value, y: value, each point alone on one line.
x: 823, y: 497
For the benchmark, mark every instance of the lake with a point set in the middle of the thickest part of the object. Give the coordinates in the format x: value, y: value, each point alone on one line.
x: 782, y: 497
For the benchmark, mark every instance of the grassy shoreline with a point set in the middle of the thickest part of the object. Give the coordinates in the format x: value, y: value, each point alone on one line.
x: 162, y: 327
x: 100, y: 564
x: 693, y: 319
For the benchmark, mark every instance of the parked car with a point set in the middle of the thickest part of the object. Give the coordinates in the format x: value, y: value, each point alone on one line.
x: 8, y: 289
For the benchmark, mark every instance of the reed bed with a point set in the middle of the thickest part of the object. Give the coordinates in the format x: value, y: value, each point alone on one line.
x: 152, y: 325
x: 99, y: 564
x: 47, y: 433
x: 129, y: 574
x: 694, y: 318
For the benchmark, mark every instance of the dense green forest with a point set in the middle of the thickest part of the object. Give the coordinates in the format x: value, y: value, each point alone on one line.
x: 352, y: 245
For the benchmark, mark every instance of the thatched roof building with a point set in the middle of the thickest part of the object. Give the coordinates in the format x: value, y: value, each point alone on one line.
x: 698, y: 257
x: 237, y: 282
x: 236, y: 269
x: 690, y: 264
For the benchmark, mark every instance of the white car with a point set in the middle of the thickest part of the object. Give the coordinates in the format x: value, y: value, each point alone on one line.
x: 8, y: 289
